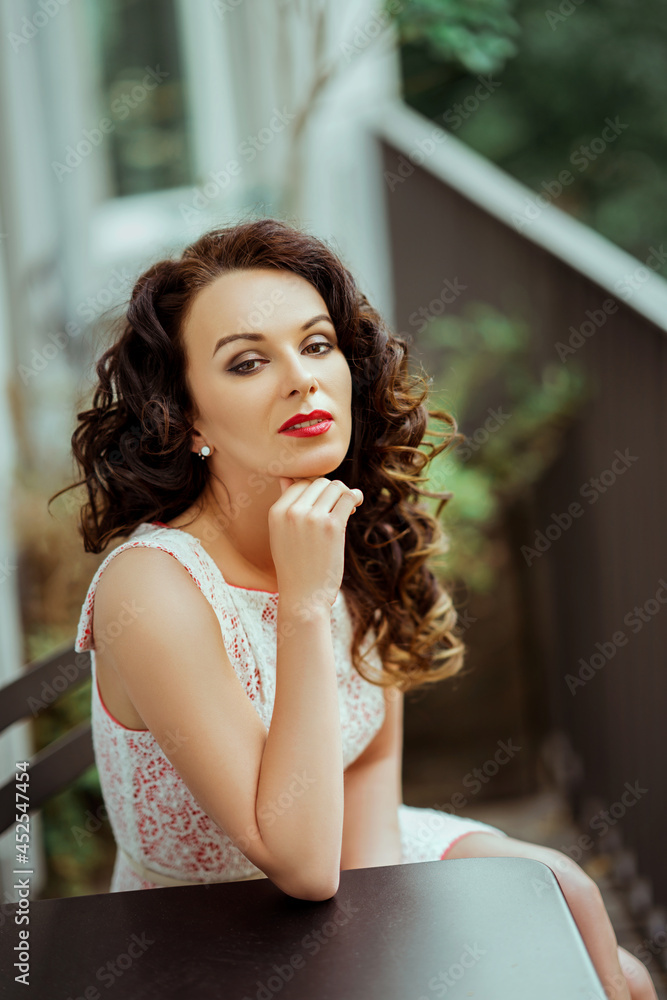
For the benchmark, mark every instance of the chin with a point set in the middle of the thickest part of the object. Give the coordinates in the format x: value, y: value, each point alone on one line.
x: 314, y: 470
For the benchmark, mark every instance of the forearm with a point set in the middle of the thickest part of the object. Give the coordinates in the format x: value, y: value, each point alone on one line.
x: 300, y: 788
x: 620, y: 972
x: 371, y: 832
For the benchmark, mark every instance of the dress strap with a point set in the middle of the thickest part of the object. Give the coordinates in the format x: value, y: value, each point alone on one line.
x: 166, y: 880
x: 178, y: 544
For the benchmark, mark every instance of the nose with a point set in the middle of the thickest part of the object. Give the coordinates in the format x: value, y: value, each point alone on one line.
x: 300, y: 376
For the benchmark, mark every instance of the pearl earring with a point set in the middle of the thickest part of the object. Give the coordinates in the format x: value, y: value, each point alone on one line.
x: 205, y: 452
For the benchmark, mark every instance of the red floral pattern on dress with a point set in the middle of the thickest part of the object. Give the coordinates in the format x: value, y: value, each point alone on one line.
x: 153, y: 814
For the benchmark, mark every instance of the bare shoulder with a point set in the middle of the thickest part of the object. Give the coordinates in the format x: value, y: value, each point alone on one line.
x: 176, y: 675
x: 145, y: 582
x: 139, y: 564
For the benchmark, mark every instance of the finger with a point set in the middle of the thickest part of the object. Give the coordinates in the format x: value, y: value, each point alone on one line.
x: 637, y: 976
x: 300, y: 486
x: 327, y: 499
x: 311, y: 494
x: 345, y: 505
x: 358, y: 499
x: 287, y: 481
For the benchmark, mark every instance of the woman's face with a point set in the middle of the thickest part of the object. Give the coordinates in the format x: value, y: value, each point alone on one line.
x: 245, y: 390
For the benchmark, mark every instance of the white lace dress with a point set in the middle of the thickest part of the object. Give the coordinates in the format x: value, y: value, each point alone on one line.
x: 163, y: 835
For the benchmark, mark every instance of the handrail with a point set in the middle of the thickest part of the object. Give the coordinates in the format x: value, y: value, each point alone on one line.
x: 437, y: 151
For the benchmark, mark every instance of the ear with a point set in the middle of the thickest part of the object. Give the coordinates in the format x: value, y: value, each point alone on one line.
x: 197, y: 441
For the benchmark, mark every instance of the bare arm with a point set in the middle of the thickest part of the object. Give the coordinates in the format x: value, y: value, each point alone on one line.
x: 373, y: 793
x: 173, y: 663
x: 304, y: 743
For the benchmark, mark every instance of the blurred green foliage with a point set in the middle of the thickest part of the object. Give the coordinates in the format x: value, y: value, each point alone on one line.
x: 569, y: 67
x: 475, y: 36
x: 479, y: 356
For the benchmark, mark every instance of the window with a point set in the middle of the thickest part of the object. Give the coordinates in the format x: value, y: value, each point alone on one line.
x: 140, y: 71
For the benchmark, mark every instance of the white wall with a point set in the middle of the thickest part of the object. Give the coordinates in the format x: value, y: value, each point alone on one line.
x: 15, y: 742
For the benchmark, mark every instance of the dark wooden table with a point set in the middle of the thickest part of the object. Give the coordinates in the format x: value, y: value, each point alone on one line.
x: 483, y: 928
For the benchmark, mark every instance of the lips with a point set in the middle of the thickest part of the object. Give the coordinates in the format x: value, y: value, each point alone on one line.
x: 301, y: 418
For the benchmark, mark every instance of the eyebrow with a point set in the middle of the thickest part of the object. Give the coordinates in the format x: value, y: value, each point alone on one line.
x: 260, y: 336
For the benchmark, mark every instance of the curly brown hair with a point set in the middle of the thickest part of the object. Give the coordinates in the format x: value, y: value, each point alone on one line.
x: 133, y: 445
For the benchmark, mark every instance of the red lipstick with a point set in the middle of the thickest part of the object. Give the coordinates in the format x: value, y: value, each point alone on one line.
x: 323, y: 418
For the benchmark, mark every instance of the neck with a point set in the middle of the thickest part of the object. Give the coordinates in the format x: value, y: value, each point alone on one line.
x: 241, y: 532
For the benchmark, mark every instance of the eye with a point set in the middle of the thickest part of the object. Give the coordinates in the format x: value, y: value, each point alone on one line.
x: 237, y: 369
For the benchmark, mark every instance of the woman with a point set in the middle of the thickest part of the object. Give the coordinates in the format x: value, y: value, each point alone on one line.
x: 251, y: 641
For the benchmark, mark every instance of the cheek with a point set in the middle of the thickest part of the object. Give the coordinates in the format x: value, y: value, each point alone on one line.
x: 342, y: 379
x: 217, y: 406
x: 238, y: 409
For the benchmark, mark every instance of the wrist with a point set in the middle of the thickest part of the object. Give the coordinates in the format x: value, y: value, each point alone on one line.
x: 300, y: 608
